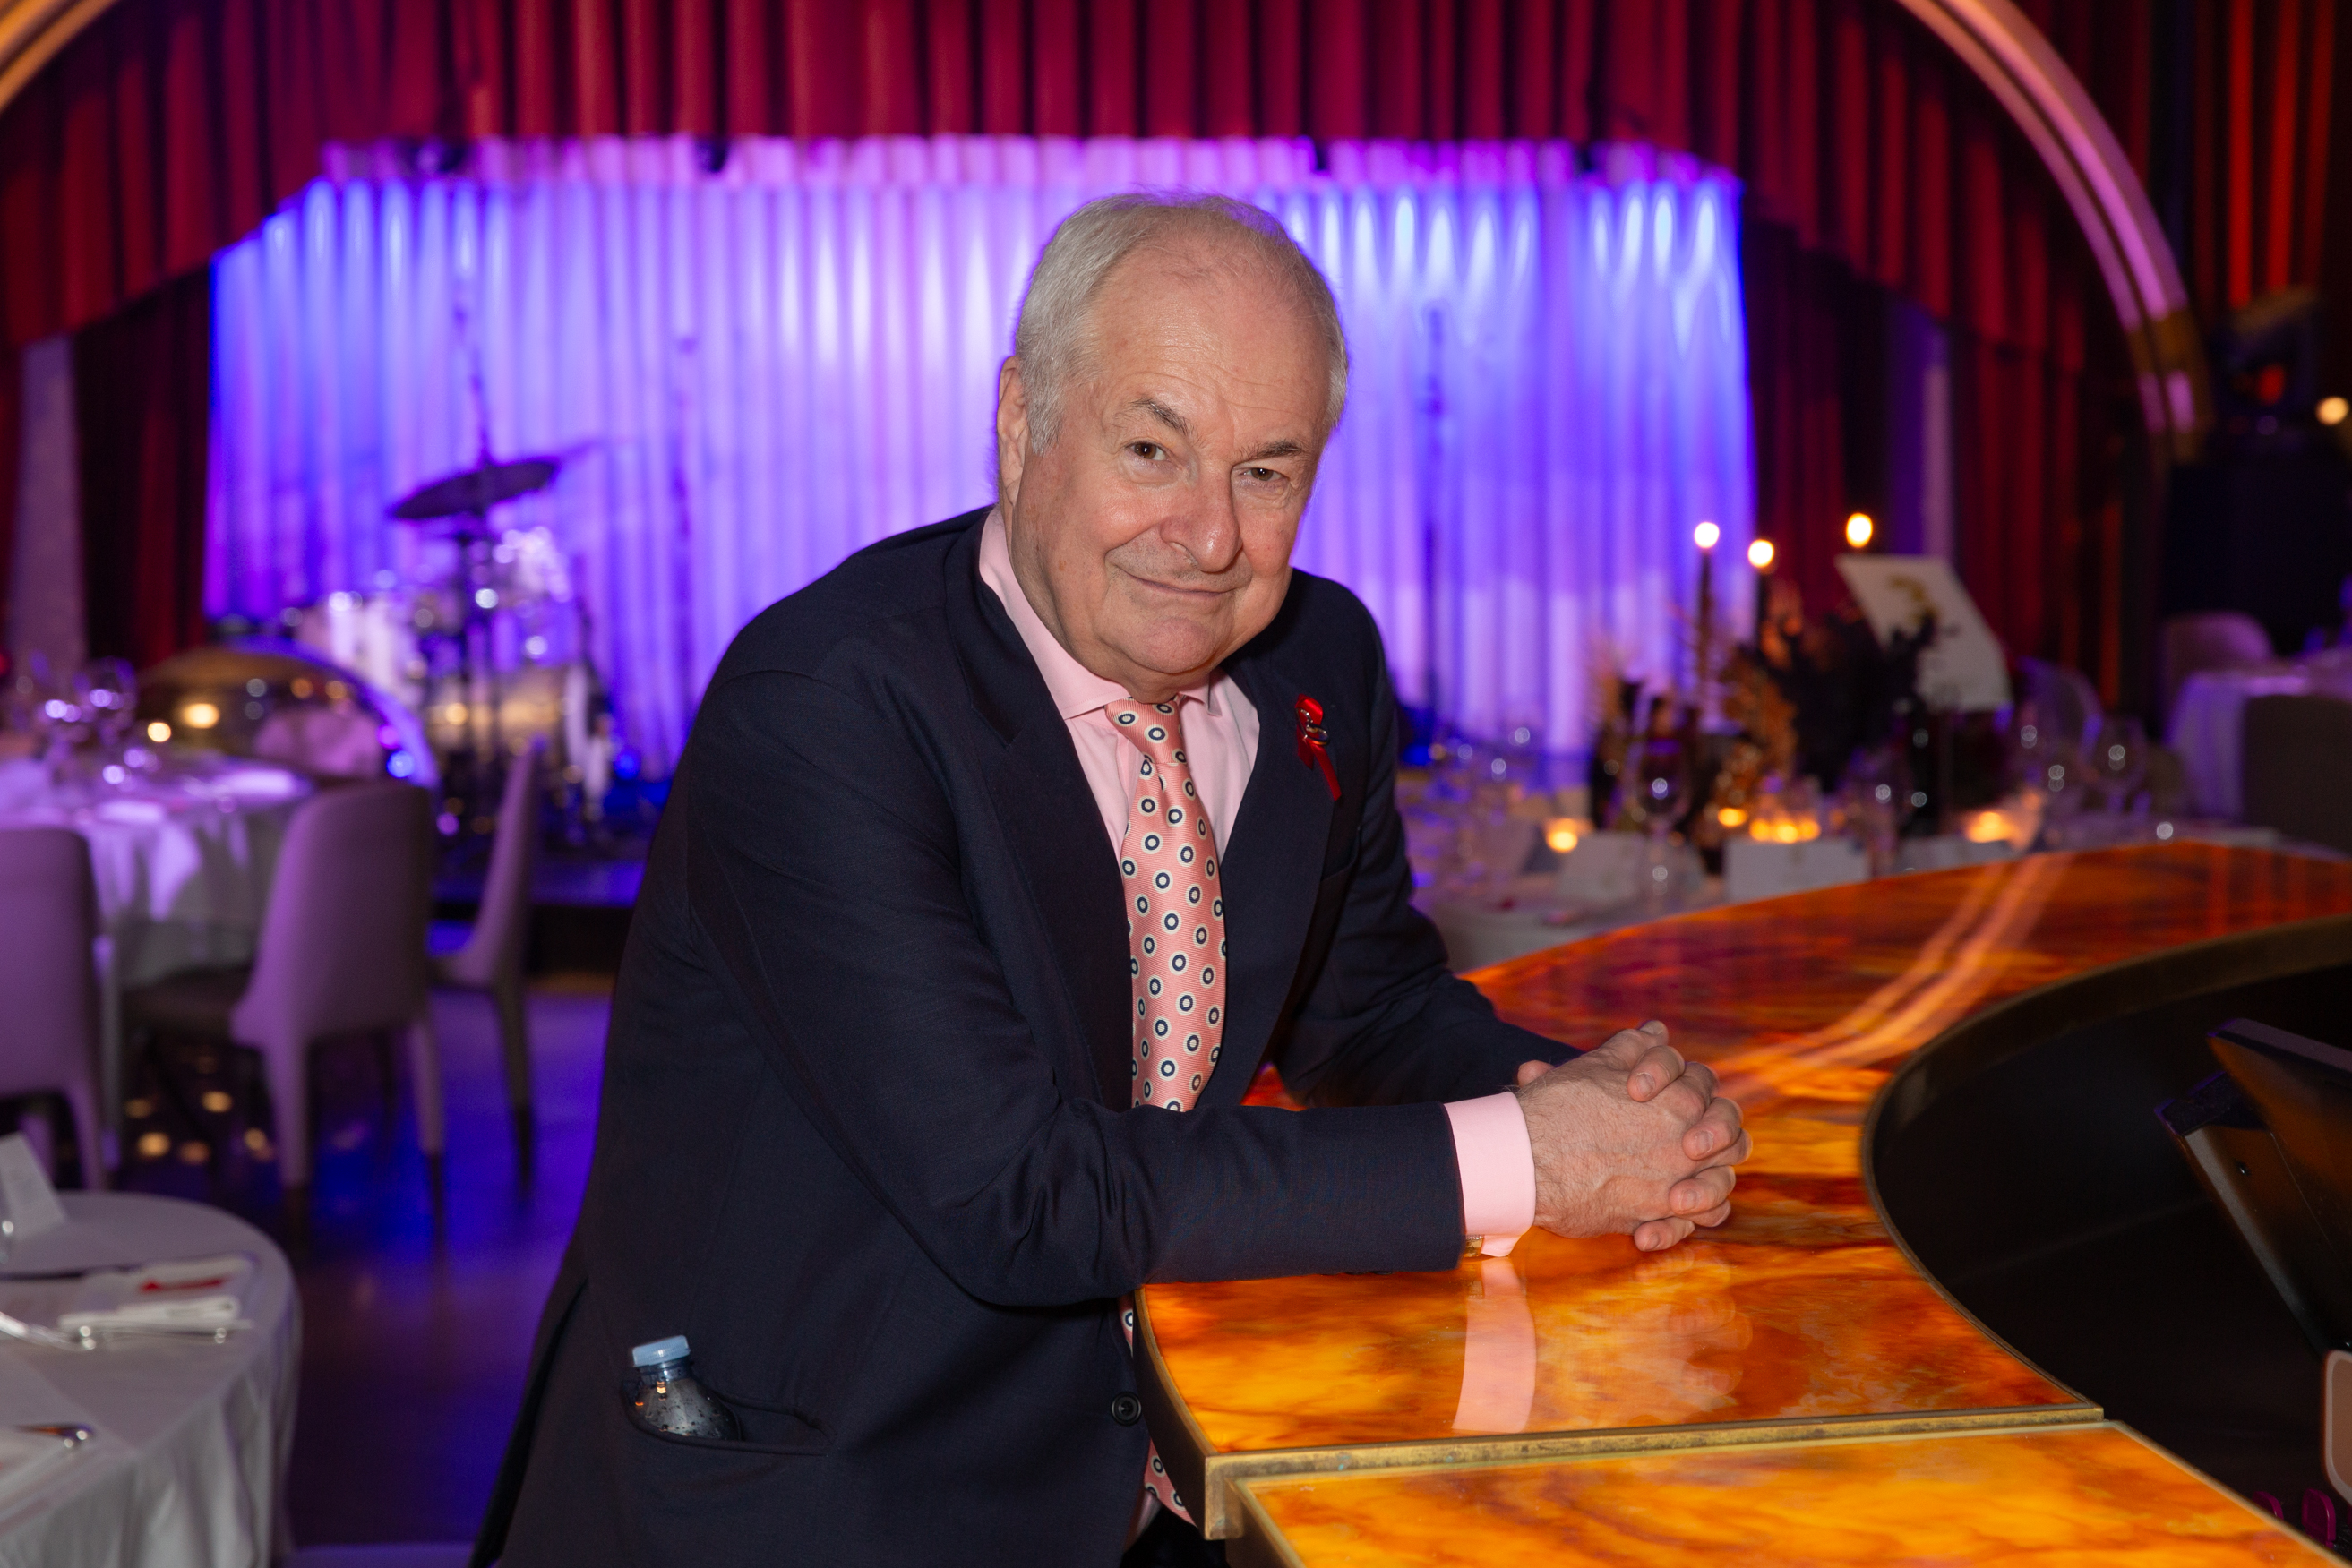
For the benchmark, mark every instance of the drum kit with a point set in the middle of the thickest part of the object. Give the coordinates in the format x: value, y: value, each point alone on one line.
x: 494, y: 653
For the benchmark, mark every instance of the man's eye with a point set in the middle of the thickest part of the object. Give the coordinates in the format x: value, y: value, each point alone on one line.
x: 1150, y: 451
x: 1263, y: 475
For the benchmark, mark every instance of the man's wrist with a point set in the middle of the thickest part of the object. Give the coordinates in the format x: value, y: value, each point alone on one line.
x: 1496, y: 1159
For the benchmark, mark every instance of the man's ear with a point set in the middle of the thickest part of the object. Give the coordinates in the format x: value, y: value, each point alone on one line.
x: 1011, y: 431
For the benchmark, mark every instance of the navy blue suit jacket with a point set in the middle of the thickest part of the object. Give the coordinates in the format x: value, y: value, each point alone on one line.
x: 864, y: 1135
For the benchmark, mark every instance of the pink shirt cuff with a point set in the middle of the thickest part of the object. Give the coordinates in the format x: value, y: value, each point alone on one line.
x: 1498, y: 1170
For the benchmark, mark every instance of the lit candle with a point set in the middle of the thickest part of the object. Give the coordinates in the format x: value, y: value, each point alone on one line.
x: 1707, y: 536
x: 1759, y: 556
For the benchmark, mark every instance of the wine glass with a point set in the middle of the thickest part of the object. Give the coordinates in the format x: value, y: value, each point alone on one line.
x: 1875, y: 783
x: 2119, y: 760
x: 108, y: 693
x: 2044, y: 761
x: 1662, y: 792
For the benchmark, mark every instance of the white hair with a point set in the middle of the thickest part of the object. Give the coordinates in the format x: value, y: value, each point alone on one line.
x: 1051, y: 339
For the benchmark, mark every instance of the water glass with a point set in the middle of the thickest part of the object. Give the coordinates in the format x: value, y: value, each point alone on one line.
x: 106, y: 691
x: 2119, y: 760
x: 1660, y: 790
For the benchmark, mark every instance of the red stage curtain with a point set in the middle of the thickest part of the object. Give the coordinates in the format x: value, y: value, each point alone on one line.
x: 2262, y: 74
x: 1791, y: 298
x: 12, y: 420
x: 142, y: 387
x: 173, y: 126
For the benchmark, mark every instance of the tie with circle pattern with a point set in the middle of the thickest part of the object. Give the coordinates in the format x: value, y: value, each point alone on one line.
x: 1175, y: 915
x: 1175, y: 941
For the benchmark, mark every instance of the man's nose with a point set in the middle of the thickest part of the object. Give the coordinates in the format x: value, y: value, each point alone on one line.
x: 1207, y: 528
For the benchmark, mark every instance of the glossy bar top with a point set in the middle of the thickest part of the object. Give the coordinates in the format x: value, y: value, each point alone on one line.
x: 2076, y: 1495
x: 1800, y: 1313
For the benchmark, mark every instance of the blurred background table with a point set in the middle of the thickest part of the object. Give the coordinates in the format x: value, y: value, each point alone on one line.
x: 2209, y: 721
x: 191, y: 1436
x: 183, y: 851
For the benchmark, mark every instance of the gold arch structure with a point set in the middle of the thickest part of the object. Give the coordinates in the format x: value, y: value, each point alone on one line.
x: 2042, y: 96
x: 33, y: 31
x: 1991, y: 37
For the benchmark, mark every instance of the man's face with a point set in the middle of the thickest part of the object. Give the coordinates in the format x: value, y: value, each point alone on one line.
x: 1153, y: 534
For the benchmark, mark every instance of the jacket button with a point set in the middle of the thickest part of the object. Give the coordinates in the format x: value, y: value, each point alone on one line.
x: 1126, y: 1409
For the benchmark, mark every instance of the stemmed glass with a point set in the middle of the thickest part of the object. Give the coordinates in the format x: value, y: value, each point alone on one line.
x: 108, y: 693
x: 1662, y: 789
x: 2044, y: 760
x: 1874, y: 785
x: 2119, y: 760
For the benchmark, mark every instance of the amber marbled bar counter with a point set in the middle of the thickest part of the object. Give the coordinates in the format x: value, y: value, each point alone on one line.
x: 1800, y: 1319
x: 2073, y: 1495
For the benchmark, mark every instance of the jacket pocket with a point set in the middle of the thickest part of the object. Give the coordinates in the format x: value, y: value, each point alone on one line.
x: 767, y: 1430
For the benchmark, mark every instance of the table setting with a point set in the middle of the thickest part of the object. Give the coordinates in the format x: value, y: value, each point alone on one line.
x: 148, y: 1348
x: 184, y: 841
x: 2208, y: 717
x: 1826, y: 749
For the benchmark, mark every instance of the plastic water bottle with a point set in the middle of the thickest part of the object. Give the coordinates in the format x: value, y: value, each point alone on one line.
x: 665, y: 1397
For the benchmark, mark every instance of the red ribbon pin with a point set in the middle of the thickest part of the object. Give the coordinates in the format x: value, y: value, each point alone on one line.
x: 1314, y: 749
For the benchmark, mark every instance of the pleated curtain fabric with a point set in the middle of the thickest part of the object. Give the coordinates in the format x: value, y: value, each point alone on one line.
x: 763, y: 368
x: 171, y: 128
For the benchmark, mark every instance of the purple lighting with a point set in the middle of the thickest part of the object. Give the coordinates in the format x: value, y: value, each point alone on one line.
x: 756, y: 371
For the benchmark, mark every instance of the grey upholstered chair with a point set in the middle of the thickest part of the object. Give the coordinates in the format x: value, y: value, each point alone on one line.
x: 2297, y: 758
x: 491, y: 959
x: 48, y: 919
x: 2207, y: 640
x: 342, y: 952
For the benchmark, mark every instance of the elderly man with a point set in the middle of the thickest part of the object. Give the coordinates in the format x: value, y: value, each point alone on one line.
x: 1008, y: 839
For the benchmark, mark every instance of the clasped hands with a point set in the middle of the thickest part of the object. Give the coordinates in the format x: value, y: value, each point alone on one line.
x: 1629, y: 1138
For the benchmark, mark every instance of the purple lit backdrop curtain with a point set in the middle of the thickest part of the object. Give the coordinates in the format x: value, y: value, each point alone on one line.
x: 766, y: 368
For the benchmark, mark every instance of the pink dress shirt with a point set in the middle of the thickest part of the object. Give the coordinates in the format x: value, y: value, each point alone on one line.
x: 1221, y: 731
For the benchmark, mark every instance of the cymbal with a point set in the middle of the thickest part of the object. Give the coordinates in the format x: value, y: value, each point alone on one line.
x: 477, y: 490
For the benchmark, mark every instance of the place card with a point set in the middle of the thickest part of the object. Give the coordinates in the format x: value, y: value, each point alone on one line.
x: 1753, y: 868
x: 1603, y: 868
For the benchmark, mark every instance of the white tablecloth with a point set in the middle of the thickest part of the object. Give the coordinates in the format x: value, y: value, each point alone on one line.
x: 182, y: 858
x: 2209, y: 724
x: 191, y: 1436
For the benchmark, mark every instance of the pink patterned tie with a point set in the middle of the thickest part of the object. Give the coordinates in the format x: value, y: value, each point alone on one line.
x: 1175, y: 940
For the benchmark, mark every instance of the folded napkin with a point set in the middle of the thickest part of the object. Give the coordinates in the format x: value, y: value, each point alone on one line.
x: 199, y: 1294
x: 254, y: 782
x: 141, y: 813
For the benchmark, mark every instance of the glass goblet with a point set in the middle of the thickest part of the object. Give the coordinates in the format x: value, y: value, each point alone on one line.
x: 1662, y: 788
x: 106, y: 691
x: 2119, y: 760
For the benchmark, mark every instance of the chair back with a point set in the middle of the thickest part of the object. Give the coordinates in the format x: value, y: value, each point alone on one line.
x: 2208, y: 640
x: 2064, y: 697
x: 2297, y: 756
x: 503, y: 923
x: 342, y: 946
x: 48, y: 919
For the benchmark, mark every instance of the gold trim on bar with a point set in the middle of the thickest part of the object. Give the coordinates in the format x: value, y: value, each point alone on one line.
x: 1205, y: 1478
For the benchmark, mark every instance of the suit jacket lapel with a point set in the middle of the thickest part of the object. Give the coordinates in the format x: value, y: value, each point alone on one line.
x: 1271, y: 871
x: 1051, y: 821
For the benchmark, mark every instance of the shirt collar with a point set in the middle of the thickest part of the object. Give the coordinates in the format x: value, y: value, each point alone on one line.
x: 1075, y: 690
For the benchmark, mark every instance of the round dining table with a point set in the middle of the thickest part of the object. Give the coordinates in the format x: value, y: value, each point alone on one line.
x: 2209, y: 721
x: 182, y: 846
x: 188, y: 1435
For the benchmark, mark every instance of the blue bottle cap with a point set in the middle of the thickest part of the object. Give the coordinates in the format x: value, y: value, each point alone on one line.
x: 660, y: 1351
